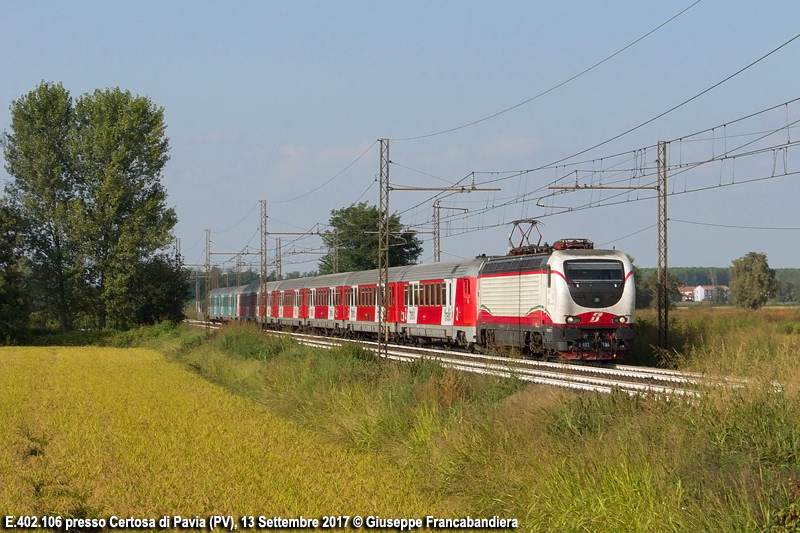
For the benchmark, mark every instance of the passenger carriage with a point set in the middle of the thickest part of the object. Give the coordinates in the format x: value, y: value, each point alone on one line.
x: 567, y: 300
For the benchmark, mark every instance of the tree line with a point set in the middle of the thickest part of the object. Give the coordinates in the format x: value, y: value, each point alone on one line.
x: 751, y: 281
x: 84, y: 221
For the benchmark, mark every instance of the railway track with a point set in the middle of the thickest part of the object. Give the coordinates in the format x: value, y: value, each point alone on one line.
x: 633, y: 380
x: 587, y: 377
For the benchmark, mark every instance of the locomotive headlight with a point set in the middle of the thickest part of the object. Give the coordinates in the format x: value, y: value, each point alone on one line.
x: 573, y: 319
x: 622, y: 319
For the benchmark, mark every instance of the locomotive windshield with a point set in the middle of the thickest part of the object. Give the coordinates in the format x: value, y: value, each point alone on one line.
x: 594, y: 271
x: 595, y: 283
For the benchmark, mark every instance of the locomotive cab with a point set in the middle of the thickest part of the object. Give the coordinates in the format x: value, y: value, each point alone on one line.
x: 595, y: 283
x: 592, y: 304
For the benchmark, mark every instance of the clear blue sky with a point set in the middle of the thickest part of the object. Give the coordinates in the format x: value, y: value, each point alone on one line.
x: 271, y: 100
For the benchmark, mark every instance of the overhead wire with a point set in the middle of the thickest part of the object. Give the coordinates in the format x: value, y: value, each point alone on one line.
x: 553, y: 88
x: 345, y: 169
x: 733, y: 226
x: 687, y: 166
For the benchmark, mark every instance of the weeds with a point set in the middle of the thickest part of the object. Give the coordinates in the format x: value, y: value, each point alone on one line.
x: 554, y: 459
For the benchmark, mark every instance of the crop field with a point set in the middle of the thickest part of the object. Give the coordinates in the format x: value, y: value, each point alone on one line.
x: 239, y: 422
x: 94, y: 432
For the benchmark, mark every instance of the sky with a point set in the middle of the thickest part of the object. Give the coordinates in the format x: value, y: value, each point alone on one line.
x: 285, y: 102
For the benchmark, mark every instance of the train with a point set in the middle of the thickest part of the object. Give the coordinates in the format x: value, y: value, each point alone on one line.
x: 565, y: 301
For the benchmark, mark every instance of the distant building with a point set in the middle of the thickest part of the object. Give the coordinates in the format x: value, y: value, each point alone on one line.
x: 687, y: 293
x: 702, y: 292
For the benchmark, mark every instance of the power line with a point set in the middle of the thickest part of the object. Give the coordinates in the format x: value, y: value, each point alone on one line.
x: 651, y: 226
x: 551, y: 89
x: 660, y: 115
x: 345, y: 169
x: 645, y: 171
x: 734, y: 226
x: 240, y: 221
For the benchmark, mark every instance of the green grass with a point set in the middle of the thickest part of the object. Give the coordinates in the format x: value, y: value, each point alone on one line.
x: 554, y: 459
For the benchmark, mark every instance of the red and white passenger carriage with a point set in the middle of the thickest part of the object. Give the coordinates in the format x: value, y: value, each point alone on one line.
x: 568, y: 300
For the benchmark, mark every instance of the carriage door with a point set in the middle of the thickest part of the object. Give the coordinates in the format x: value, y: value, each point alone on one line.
x: 447, y: 302
x: 413, y: 302
x: 351, y: 295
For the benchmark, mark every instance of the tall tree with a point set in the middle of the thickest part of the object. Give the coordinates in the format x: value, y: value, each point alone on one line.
x: 120, y: 150
x: 159, y: 290
x: 355, y: 241
x: 786, y: 292
x: 39, y: 162
x: 13, y: 300
x: 752, y: 281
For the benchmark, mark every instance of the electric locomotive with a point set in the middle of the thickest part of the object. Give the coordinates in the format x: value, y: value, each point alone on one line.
x: 565, y: 301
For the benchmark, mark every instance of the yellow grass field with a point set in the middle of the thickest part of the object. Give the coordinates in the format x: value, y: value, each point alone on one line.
x: 96, y: 432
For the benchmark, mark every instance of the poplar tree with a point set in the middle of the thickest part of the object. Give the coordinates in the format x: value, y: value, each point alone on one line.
x: 13, y: 297
x: 39, y: 161
x: 120, y: 147
x: 86, y: 185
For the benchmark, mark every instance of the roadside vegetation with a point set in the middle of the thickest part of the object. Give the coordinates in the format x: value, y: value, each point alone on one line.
x: 556, y: 460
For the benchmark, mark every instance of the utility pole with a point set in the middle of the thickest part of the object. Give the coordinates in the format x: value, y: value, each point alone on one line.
x: 335, y: 251
x: 264, y: 246
x: 262, y: 291
x: 278, y: 259
x: 662, y: 292
x: 383, y: 237
x: 177, y: 251
x: 383, y: 251
x: 437, y: 230
x: 663, y: 280
x: 208, y: 272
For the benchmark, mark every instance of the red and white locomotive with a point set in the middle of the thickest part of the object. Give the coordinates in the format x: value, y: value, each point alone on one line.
x: 567, y: 300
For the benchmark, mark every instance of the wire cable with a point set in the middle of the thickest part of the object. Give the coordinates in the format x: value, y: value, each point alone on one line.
x: 734, y: 226
x: 242, y: 220
x: 330, y: 180
x: 551, y: 89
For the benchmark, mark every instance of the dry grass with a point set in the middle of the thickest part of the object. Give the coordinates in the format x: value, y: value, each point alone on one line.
x: 100, y: 431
